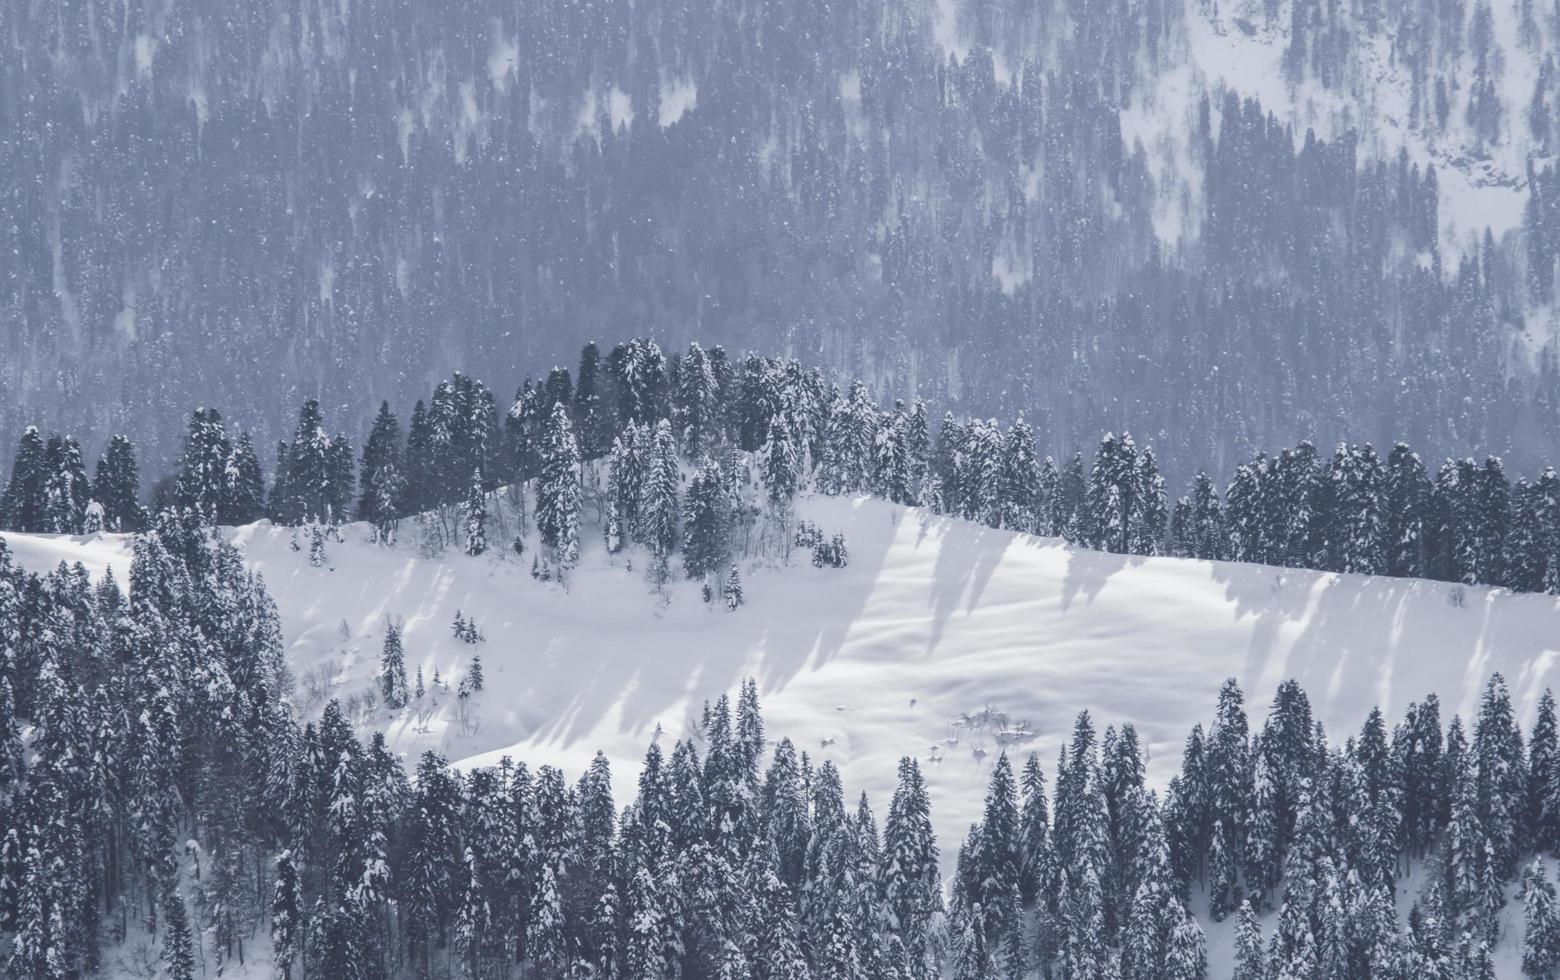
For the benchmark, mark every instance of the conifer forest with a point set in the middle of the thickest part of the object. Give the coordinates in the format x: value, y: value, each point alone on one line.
x: 779, y: 490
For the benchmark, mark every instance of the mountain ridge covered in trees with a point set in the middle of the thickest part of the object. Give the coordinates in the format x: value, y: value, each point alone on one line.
x: 754, y: 434
x: 965, y: 203
x: 735, y: 853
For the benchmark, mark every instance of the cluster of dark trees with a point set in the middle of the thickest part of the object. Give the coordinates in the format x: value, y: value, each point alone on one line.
x: 1100, y: 878
x: 622, y: 430
x: 131, y: 723
x: 990, y: 231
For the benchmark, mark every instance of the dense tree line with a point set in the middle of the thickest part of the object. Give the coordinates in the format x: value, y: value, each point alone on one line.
x: 699, y: 454
x: 130, y: 723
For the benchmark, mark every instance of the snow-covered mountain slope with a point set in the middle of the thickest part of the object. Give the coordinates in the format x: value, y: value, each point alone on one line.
x: 941, y: 639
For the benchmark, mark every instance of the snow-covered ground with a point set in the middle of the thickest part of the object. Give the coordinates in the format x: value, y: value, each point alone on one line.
x: 942, y: 639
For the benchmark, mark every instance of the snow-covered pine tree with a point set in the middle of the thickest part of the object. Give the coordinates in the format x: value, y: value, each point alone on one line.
x: 202, y: 479
x: 1405, y: 506
x: 891, y: 457
x: 116, y: 485
x: 178, y: 946
x: 706, y: 524
x: 392, y: 668
x: 658, y: 508
x: 697, y: 401
x: 1114, y: 497
x: 474, y: 516
x: 982, y: 474
x: 243, y: 490
x: 1356, y: 479
x: 1021, y: 493
x: 1230, y: 786
x: 558, y: 492
x: 1244, y: 523
x: 286, y: 915
x: 381, y: 458
x: 67, y: 489
x: 625, y: 487
x: 731, y: 590
x: 1541, y: 923
x: 23, y: 505
x: 1542, y: 816
x: 1250, y: 958
x: 1148, y: 524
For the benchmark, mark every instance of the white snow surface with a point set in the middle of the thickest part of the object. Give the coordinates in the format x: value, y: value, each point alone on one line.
x: 941, y: 640
x: 960, y: 618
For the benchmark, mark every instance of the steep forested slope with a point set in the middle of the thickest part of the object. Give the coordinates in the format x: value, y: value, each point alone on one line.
x: 1102, y: 215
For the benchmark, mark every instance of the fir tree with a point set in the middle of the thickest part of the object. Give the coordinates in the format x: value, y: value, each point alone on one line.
x: 381, y: 466
x: 1541, y: 923
x: 658, y: 508
x: 243, y: 490
x: 475, y: 516
x: 202, y: 480
x: 178, y: 950
x: 116, y: 485
x: 731, y: 591
x: 392, y: 669
x: 558, y: 494
x: 706, y: 521
x: 23, y: 506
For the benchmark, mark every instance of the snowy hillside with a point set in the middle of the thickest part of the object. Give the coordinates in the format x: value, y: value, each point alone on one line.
x: 941, y: 639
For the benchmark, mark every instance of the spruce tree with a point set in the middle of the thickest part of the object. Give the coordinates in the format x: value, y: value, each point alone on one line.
x: 203, y: 467
x: 23, y: 507
x: 381, y: 457
x: 392, y: 668
x: 658, y: 508
x: 178, y: 949
x: 1541, y: 923
x: 474, y: 516
x: 243, y: 489
x: 706, y: 522
x: 558, y: 493
x: 116, y: 485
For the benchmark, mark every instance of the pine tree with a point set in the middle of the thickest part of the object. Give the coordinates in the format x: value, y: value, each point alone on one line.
x: 1021, y: 492
x: 381, y: 464
x: 558, y: 494
x: 706, y: 524
x: 178, y: 950
x: 1542, y: 817
x: 1230, y: 786
x: 1541, y: 923
x: 392, y: 669
x: 1114, y: 496
x: 475, y: 516
x: 1405, y: 503
x: 23, y: 507
x: 286, y: 912
x: 658, y: 508
x: 314, y: 473
x: 1250, y: 960
x: 698, y: 400
x: 116, y: 485
x: 474, y: 672
x: 243, y: 490
x: 202, y: 478
x: 731, y: 591
x: 67, y: 489
x: 891, y: 458
x: 1148, y: 526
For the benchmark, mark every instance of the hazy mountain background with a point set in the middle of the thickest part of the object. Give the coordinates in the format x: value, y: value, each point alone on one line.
x: 1223, y: 226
